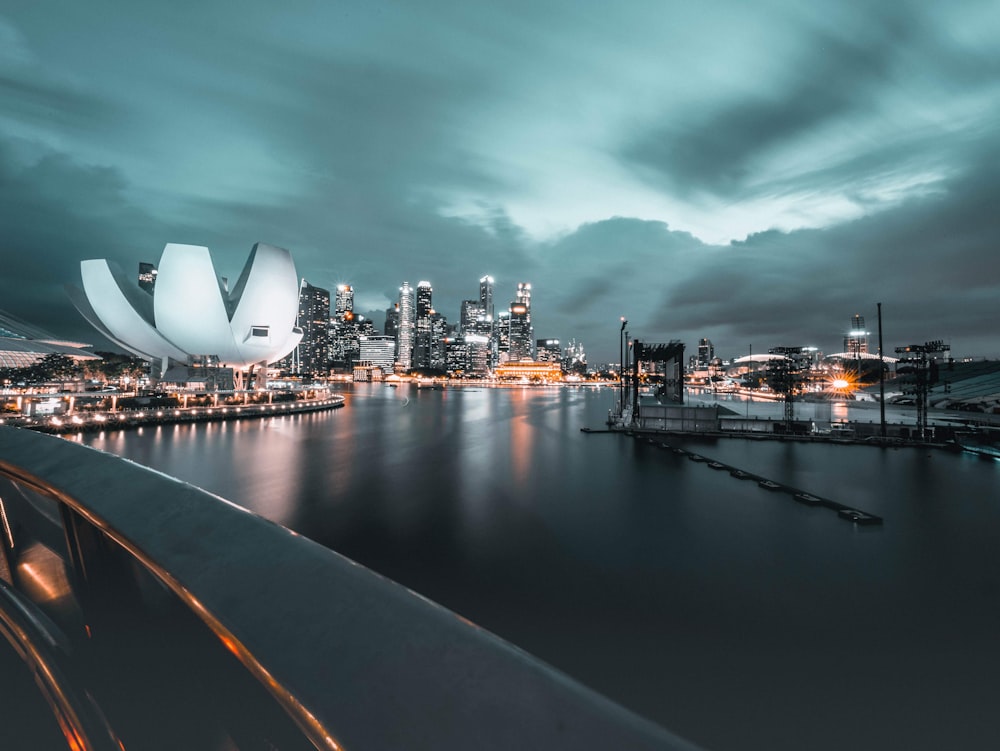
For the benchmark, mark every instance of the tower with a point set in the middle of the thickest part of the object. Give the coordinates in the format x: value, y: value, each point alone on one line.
x: 344, y: 301
x: 856, y: 341
x: 423, y: 335
x: 314, y: 320
x: 407, y: 323
x: 486, y: 295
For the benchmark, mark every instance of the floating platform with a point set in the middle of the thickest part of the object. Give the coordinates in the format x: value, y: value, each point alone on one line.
x: 847, y: 513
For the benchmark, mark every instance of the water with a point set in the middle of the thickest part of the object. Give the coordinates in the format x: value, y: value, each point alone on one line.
x: 733, y: 616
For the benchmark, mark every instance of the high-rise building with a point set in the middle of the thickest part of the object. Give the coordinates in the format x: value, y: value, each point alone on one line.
x: 471, y: 313
x: 379, y: 351
x: 856, y: 341
x: 391, y: 321
x: 436, y: 347
x: 706, y: 352
x: 486, y: 295
x: 423, y: 336
x: 407, y: 326
x: 522, y: 335
x: 147, y: 276
x: 548, y: 350
x: 574, y: 359
x: 501, y: 339
x: 344, y: 302
x: 314, y: 320
x: 520, y: 344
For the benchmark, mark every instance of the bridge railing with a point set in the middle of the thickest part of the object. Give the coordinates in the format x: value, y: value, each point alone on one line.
x: 193, y: 623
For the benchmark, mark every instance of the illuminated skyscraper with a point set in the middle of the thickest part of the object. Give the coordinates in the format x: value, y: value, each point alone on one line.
x: 522, y: 333
x: 344, y: 301
x: 486, y: 295
x: 407, y: 324
x: 705, y: 354
x: 422, y: 338
x: 392, y: 321
x: 314, y: 320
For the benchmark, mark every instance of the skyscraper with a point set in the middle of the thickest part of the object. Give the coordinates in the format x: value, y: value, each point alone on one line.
x: 471, y: 312
x: 344, y: 301
x: 486, y: 295
x: 314, y: 320
x: 407, y: 324
x: 706, y: 352
x: 423, y: 337
x: 521, y: 333
x: 392, y: 321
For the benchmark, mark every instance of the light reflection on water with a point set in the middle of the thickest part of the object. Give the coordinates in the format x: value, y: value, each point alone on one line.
x: 731, y: 615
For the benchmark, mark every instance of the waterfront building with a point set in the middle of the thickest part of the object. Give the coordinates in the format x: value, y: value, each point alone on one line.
x: 391, y: 321
x: 407, y: 325
x: 344, y: 302
x: 501, y: 339
x: 706, y: 353
x: 486, y: 296
x: 528, y: 370
x: 422, y: 337
x: 574, y: 359
x: 520, y: 342
x: 314, y: 320
x: 439, y: 331
x: 377, y: 351
x: 191, y: 313
x: 471, y: 313
x: 548, y: 350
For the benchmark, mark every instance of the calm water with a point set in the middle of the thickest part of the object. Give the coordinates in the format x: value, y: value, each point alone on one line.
x: 733, y: 616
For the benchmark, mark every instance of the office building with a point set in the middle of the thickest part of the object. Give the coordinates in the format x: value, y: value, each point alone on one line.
x: 314, y: 320
x: 548, y: 350
x: 407, y: 327
x: 379, y: 351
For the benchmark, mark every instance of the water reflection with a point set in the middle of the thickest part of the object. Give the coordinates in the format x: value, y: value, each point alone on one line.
x: 685, y: 593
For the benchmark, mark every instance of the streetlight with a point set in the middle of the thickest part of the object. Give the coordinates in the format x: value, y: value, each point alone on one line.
x: 621, y: 368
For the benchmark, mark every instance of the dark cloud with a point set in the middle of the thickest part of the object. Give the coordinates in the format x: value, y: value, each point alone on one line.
x: 929, y: 261
x: 715, y: 150
x: 57, y: 213
x: 386, y: 144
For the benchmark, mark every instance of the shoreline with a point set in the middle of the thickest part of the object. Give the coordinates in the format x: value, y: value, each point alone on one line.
x: 125, y: 420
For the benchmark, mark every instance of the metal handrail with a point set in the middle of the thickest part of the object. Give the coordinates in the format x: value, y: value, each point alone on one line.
x: 47, y: 655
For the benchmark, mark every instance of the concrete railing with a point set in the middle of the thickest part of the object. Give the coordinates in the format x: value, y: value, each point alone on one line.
x: 197, y: 624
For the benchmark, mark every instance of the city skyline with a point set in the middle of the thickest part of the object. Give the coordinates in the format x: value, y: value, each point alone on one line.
x: 750, y: 174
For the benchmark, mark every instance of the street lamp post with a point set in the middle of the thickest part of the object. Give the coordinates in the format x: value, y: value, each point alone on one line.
x: 621, y: 368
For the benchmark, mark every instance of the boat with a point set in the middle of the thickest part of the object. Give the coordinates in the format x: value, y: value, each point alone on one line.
x: 739, y: 474
x: 769, y: 485
x: 696, y: 458
x: 716, y: 465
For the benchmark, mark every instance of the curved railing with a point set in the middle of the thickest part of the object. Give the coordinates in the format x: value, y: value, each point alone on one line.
x: 196, y: 624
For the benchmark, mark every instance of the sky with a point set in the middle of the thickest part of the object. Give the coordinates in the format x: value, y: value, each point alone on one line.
x: 751, y: 172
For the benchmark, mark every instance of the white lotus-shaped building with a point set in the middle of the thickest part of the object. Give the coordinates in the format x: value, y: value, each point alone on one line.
x: 191, y: 312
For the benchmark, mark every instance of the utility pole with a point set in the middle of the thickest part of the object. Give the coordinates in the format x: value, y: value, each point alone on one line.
x: 881, y: 374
